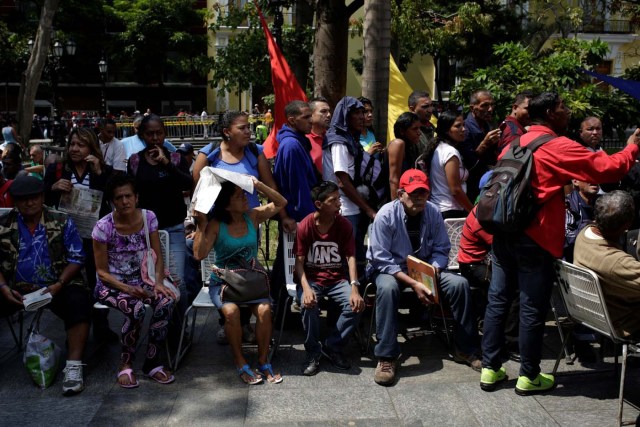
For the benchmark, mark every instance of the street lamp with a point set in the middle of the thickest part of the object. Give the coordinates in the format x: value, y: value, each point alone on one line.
x: 278, y: 20
x: 30, y: 44
x: 71, y: 47
x: 102, y: 67
x: 58, y: 50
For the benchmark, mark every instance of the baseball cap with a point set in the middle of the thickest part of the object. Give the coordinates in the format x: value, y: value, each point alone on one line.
x: 25, y: 186
x: 413, y: 179
x: 185, y: 148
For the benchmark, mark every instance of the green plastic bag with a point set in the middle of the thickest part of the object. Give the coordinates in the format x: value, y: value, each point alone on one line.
x: 41, y: 357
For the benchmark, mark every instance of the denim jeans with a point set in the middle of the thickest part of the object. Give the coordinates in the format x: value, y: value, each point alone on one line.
x: 178, y: 252
x: 456, y: 292
x: 192, y: 277
x: 347, y: 321
x: 518, y: 262
x: 358, y: 234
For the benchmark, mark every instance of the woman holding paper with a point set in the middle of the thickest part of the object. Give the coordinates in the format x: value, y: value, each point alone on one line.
x: 119, y: 242
x: 83, y: 173
x: 232, y: 232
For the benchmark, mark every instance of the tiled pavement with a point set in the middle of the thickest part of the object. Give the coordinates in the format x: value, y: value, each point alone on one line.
x: 432, y: 390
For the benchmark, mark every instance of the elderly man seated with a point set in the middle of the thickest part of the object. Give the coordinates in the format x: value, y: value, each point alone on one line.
x: 41, y: 249
x: 598, y: 249
x: 410, y: 225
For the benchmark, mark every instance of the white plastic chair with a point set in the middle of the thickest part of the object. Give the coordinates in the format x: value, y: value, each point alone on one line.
x: 583, y: 298
x: 290, y: 286
x: 454, y: 231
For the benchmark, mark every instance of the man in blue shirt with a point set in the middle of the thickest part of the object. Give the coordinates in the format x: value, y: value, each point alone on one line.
x: 134, y: 144
x: 41, y: 250
x: 410, y: 225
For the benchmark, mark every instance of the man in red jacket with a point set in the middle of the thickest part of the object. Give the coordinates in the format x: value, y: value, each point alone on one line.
x: 524, y: 260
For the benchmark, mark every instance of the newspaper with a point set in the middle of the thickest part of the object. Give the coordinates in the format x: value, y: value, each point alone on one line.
x: 35, y: 300
x: 209, y: 186
x: 83, y: 206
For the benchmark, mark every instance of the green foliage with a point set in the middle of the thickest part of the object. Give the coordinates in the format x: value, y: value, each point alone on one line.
x: 157, y: 35
x: 517, y: 68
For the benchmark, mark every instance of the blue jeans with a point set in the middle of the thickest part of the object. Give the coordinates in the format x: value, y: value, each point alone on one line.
x: 192, y: 278
x: 456, y: 292
x: 348, y: 320
x: 178, y: 252
x: 518, y: 261
x: 358, y: 234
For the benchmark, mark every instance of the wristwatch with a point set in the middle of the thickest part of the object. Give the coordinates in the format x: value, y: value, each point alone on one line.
x: 355, y: 283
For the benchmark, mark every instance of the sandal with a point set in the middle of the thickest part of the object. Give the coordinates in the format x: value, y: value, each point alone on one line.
x: 168, y: 379
x: 266, y: 371
x: 247, y: 376
x: 128, y: 373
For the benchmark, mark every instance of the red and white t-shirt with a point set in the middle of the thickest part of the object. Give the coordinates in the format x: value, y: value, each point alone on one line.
x: 325, y: 254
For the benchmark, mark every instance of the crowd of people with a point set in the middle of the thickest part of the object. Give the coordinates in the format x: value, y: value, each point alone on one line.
x: 332, y: 183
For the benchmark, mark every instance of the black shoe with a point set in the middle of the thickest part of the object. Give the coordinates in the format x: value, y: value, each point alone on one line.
x: 312, y: 366
x: 336, y: 358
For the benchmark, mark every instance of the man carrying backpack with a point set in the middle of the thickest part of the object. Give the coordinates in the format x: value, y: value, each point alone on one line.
x: 523, y: 259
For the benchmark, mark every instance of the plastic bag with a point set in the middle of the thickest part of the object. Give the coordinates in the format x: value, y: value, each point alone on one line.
x: 41, y: 357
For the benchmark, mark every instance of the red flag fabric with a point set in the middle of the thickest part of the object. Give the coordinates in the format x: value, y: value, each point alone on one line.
x: 285, y: 86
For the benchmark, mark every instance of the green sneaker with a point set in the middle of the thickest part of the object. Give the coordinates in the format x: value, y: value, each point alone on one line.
x: 542, y: 383
x: 489, y: 378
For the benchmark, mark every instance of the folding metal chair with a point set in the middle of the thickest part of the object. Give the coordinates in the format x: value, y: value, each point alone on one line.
x: 290, y: 286
x: 582, y: 295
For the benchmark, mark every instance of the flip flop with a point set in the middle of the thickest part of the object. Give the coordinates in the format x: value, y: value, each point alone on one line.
x: 128, y: 373
x: 246, y: 370
x: 160, y: 369
x: 266, y: 371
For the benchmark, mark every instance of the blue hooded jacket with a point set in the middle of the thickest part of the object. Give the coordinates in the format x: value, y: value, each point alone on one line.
x: 294, y: 172
x: 338, y: 132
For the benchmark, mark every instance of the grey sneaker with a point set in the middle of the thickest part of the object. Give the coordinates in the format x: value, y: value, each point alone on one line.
x: 312, y: 366
x: 385, y: 372
x: 73, y: 382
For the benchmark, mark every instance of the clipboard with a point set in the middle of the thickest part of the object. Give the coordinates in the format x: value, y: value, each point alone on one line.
x: 424, y: 273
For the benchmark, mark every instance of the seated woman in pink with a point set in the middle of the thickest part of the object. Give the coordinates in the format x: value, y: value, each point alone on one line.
x: 119, y: 244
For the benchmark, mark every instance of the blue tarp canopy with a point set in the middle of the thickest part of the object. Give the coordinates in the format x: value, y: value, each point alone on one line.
x: 630, y: 87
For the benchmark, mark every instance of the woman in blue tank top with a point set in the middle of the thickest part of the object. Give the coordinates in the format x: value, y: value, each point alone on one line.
x: 232, y: 231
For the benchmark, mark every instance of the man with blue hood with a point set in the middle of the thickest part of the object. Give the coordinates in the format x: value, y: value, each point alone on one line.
x: 340, y: 150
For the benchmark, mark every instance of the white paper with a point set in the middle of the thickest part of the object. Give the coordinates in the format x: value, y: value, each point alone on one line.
x: 35, y: 300
x: 210, y: 183
x: 83, y: 206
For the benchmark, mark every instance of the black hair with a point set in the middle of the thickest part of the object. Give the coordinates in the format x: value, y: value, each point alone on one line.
x: 321, y: 191
x: 539, y: 105
x: 119, y: 180
x: 613, y: 212
x: 294, y: 108
x: 446, y: 119
x: 415, y: 95
x: 522, y: 96
x: 228, y: 119
x: 314, y: 101
x: 219, y: 211
x: 365, y: 101
x: 403, y: 123
x: 145, y: 122
x: 105, y: 122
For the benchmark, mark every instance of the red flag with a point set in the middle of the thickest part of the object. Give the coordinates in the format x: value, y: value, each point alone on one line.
x: 285, y: 87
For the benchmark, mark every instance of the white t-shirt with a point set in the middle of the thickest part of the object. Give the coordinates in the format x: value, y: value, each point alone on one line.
x: 440, y: 193
x: 114, y: 154
x: 339, y: 160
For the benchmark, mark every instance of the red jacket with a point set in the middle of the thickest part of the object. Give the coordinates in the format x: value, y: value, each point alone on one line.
x: 508, y: 134
x: 555, y: 164
x: 475, y: 243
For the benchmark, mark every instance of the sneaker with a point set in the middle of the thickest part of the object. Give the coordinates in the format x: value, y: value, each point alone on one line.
x: 385, y: 372
x: 542, y: 383
x: 312, y: 366
x: 248, y: 335
x: 73, y: 382
x: 336, y: 358
x: 468, y: 359
x: 489, y: 378
x: 221, y: 337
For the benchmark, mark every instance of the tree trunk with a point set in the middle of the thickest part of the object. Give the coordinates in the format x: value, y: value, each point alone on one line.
x: 30, y: 79
x: 330, y: 50
x: 304, y: 19
x: 375, y: 74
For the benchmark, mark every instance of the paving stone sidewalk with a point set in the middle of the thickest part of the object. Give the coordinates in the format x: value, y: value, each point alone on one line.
x: 432, y: 390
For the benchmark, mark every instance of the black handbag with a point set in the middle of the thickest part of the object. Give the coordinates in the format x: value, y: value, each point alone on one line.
x: 248, y: 282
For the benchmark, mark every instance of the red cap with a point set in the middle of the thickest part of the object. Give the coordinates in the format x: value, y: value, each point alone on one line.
x: 413, y: 179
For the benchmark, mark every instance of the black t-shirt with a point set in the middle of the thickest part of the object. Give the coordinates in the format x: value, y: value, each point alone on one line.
x: 413, y: 229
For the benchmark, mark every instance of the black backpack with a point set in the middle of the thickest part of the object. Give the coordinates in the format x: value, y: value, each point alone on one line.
x: 507, y: 204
